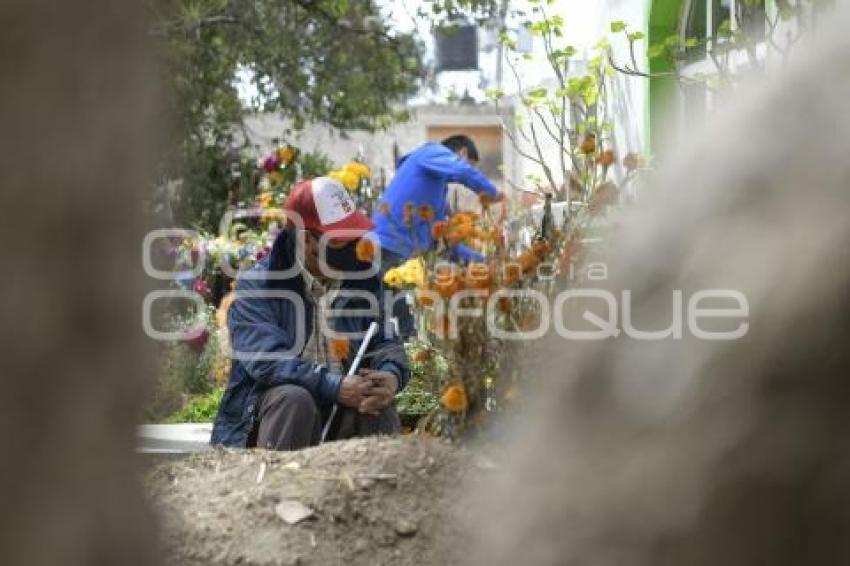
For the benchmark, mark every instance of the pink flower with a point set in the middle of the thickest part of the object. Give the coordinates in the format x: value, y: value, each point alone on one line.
x: 263, y: 253
x: 196, y: 342
x: 203, y: 288
x: 271, y: 163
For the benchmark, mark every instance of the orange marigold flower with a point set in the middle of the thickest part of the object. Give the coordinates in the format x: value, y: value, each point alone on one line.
x: 365, y: 250
x: 438, y: 229
x: 454, y: 399
x: 422, y: 355
x: 485, y: 234
x: 339, y: 348
x: 588, y: 145
x: 478, y: 276
x: 425, y: 297
x: 426, y: 212
x: 505, y: 304
x: 447, y: 281
x: 606, y: 158
x: 384, y: 208
x: 528, y: 261
x: 631, y: 161
x: 512, y: 273
x: 461, y: 226
x: 540, y: 248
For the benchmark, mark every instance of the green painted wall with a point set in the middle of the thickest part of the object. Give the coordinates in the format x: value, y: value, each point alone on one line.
x: 663, y: 22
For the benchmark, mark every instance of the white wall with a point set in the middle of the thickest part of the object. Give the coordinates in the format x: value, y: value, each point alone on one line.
x: 376, y: 149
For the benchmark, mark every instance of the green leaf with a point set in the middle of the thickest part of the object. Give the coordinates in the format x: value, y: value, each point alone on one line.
x: 618, y: 26
x: 507, y: 41
x: 494, y: 93
x: 691, y: 42
x: 636, y: 36
x: 655, y: 51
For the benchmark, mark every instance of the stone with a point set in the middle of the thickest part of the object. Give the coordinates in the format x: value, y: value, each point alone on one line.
x: 292, y: 511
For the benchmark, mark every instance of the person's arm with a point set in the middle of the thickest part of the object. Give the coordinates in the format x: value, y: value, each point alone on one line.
x: 457, y: 170
x: 386, y: 350
x: 255, y: 334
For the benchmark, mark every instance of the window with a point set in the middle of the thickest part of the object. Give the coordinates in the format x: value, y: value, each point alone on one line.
x: 700, y: 16
x: 750, y: 17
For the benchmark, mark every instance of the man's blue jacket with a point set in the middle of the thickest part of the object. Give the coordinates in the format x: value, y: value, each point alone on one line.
x: 263, y: 326
x: 422, y: 179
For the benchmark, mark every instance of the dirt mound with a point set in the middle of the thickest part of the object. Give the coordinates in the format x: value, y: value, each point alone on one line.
x: 370, y: 501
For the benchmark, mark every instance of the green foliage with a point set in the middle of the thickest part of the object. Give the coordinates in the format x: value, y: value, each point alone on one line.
x: 199, y: 409
x: 421, y: 395
x: 494, y: 93
x: 192, y: 370
x: 330, y: 61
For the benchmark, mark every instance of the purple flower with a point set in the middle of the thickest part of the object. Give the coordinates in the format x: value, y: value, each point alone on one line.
x: 271, y: 163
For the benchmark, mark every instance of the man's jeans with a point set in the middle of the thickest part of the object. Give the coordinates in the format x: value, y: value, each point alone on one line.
x: 400, y: 308
x: 289, y: 419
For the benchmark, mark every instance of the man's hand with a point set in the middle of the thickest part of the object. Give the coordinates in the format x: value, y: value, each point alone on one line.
x: 383, y: 387
x: 487, y: 200
x: 352, y: 390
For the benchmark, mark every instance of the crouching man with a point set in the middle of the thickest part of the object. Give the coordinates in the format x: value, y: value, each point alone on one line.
x: 288, y: 370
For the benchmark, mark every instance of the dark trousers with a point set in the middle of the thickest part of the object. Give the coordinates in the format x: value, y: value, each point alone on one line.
x: 400, y: 309
x: 289, y: 419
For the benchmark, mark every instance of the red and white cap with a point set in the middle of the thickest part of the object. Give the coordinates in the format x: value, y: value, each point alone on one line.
x: 325, y: 206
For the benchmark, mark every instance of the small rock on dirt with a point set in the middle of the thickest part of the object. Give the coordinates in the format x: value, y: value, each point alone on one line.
x: 292, y: 511
x: 405, y: 528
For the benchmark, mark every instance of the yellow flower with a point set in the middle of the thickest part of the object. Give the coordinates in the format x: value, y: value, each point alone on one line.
x: 271, y: 214
x: 393, y: 278
x: 357, y: 168
x: 349, y: 179
x: 286, y: 154
x: 412, y: 272
x: 266, y: 199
